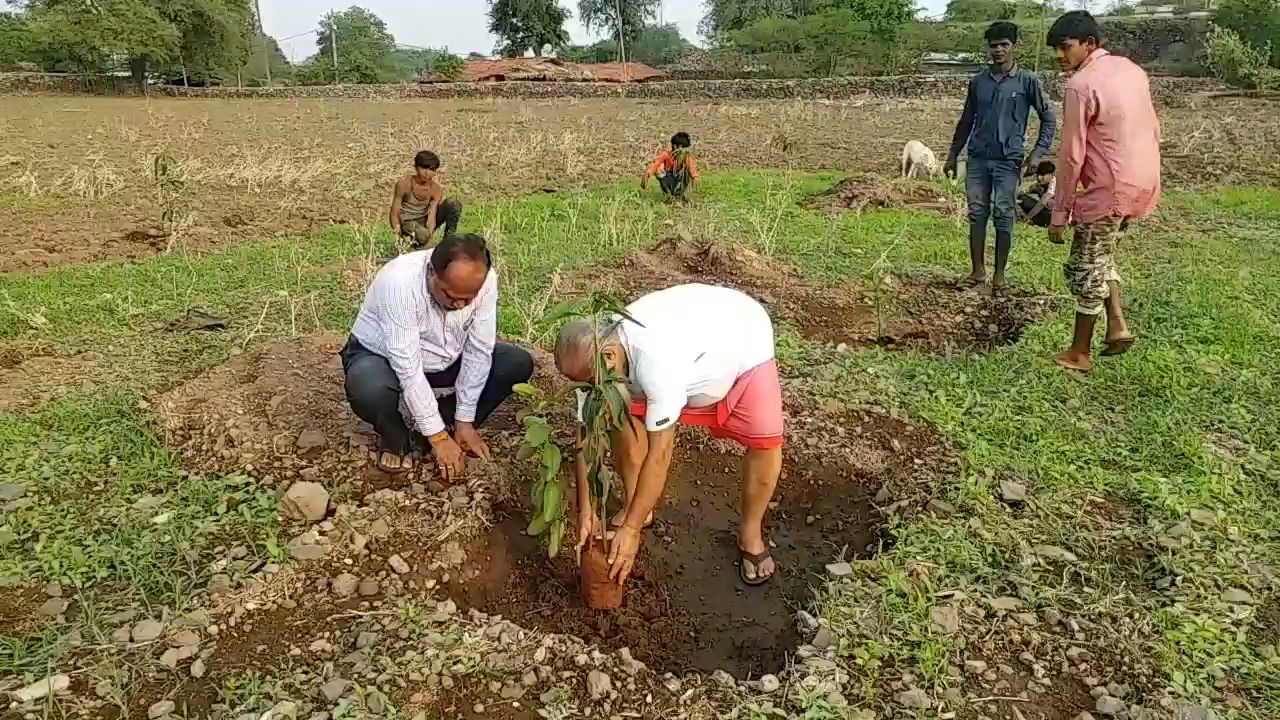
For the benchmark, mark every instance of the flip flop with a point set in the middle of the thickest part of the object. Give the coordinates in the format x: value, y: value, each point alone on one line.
x: 1066, y: 365
x: 379, y: 462
x: 1119, y: 346
x: 756, y: 559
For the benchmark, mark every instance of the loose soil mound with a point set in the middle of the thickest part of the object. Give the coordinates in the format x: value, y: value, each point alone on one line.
x: 927, y: 313
x: 869, y: 192
x: 28, y: 380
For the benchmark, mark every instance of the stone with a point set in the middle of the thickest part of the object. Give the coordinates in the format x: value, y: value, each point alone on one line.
x: 366, y: 640
x: 806, y: 622
x: 121, y: 635
x: 1005, y: 604
x: 184, y: 638
x: 160, y: 709
x: 311, y: 442
x: 53, y: 589
x: 1236, y: 596
x: 1053, y: 552
x: 839, y: 570
x: 945, y: 619
x: 305, y: 501
x: 823, y: 639
x: 975, y: 667
x: 146, y: 631
x: 54, y: 607
x: 174, y: 656
x: 941, y: 508
x: 883, y: 495
x: 1205, y: 518
x: 379, y: 528
x: 1192, y: 711
x: 398, y: 565
x: 1052, y: 616
x: 308, y: 552
x: 1086, y: 715
x: 43, y: 688
x: 334, y: 689
x: 10, y: 492
x: 672, y: 684
x: 1111, y: 706
x: 345, y: 585
x: 286, y: 710
x: 1025, y: 618
x: 914, y: 698
x: 220, y: 584
x: 512, y: 691
x: 629, y: 663
x: 770, y: 684
x: 368, y: 587
x: 1012, y: 491
x: 599, y: 685
x: 198, y: 669
x: 1078, y: 654
x: 723, y: 679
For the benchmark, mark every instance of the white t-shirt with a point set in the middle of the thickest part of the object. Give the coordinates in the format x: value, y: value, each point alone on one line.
x: 691, y: 343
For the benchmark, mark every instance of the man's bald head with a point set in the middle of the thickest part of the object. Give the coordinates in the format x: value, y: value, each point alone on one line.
x: 575, y: 348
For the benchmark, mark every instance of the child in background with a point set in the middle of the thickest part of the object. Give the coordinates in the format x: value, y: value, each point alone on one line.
x: 1035, y: 206
x: 675, y: 169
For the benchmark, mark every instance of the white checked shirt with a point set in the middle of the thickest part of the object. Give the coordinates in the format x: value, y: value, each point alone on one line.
x: 400, y: 322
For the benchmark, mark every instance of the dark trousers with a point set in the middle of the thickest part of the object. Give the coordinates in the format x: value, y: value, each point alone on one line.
x: 1028, y: 202
x: 991, y: 189
x: 373, y: 390
x: 448, y: 215
x: 675, y: 183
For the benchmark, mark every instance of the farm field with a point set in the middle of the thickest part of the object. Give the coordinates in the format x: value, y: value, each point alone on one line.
x: 177, y: 276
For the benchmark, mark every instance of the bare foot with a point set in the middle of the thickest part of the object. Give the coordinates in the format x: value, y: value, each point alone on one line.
x: 1070, y: 360
x: 1118, y: 344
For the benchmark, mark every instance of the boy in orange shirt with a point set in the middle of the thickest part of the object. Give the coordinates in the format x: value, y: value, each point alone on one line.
x: 675, y: 169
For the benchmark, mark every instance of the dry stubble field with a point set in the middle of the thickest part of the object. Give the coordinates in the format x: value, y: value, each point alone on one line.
x: 1023, y: 545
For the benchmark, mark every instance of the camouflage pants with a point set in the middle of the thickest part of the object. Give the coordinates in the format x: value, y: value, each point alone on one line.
x: 1091, y: 265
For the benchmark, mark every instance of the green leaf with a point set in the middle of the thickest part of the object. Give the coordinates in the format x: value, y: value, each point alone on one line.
x: 535, y: 497
x: 552, y: 495
x: 526, y: 390
x: 551, y: 460
x: 557, y: 537
x: 537, y: 526
x: 525, y: 452
x: 537, y: 435
x: 617, y: 406
x: 561, y: 311
x: 626, y: 316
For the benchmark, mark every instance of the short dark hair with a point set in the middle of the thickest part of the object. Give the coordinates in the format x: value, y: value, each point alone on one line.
x: 427, y: 160
x: 1001, y: 30
x: 1046, y: 167
x: 681, y: 140
x: 469, y: 247
x: 1075, y: 25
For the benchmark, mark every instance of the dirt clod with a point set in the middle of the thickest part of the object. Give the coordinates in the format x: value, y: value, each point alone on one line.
x: 871, y: 192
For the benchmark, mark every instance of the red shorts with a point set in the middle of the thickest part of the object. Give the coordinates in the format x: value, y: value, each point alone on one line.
x: 751, y: 413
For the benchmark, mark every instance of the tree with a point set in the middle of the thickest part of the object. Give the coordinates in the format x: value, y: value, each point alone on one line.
x: 425, y: 62
x: 366, y: 50
x: 527, y: 25
x: 16, y: 45
x: 979, y: 10
x: 658, y: 45
x: 846, y: 37
x: 254, y: 71
x: 1257, y: 22
x: 729, y: 16
x: 610, y: 16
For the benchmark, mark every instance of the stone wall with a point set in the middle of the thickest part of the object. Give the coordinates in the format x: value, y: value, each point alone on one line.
x: 905, y: 86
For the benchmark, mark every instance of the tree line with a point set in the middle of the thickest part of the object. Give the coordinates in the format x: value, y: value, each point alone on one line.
x: 220, y: 41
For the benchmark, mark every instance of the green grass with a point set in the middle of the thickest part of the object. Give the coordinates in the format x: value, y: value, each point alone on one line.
x: 1143, y: 433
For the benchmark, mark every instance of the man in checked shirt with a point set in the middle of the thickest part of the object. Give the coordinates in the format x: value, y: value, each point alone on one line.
x: 427, y: 334
x: 1108, y: 176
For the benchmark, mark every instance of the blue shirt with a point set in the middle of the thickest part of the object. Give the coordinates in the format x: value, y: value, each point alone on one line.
x: 994, y: 121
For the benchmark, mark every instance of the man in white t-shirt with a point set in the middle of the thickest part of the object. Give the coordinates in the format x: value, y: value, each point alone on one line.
x: 699, y: 355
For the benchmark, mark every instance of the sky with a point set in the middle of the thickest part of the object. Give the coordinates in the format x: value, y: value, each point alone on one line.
x: 459, y: 25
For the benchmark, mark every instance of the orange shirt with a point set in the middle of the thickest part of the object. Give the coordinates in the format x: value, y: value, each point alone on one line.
x: 666, y: 160
x: 1110, y: 143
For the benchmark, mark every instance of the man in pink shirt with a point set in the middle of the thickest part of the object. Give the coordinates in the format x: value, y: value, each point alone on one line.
x: 1108, y: 175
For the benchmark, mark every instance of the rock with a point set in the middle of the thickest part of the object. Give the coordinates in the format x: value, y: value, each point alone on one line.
x: 1052, y: 616
x: 398, y: 565
x: 1236, y: 596
x: 1005, y: 604
x: 121, y: 635
x: 975, y: 667
x: 220, y: 584
x: 43, y: 688
x: 806, y: 622
x: 1025, y: 618
x: 286, y: 710
x: 1053, y: 552
x: 54, y: 607
x: 723, y: 679
x: 345, y: 585
x: 839, y: 570
x: 1205, y: 518
x: 1078, y: 654
x: 198, y: 669
x: 379, y: 528
x: 160, y: 709
x: 53, y: 589
x: 1111, y: 706
x: 305, y: 501
x: 311, y: 442
x: 883, y: 496
x: 1191, y: 711
x: 941, y: 508
x: 1012, y: 491
x: 512, y: 691
x: 368, y: 587
x: 629, y: 663
x: 823, y: 639
x: 914, y: 698
x: 146, y: 631
x: 308, y: 552
x: 366, y: 640
x: 672, y: 684
x: 334, y: 689
x: 184, y: 638
x: 770, y: 684
x: 599, y: 685
x: 174, y: 656
x: 1086, y: 715
x: 945, y: 619
x: 10, y: 492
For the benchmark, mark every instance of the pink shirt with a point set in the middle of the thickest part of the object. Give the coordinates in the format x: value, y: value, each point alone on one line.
x: 1110, y: 143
